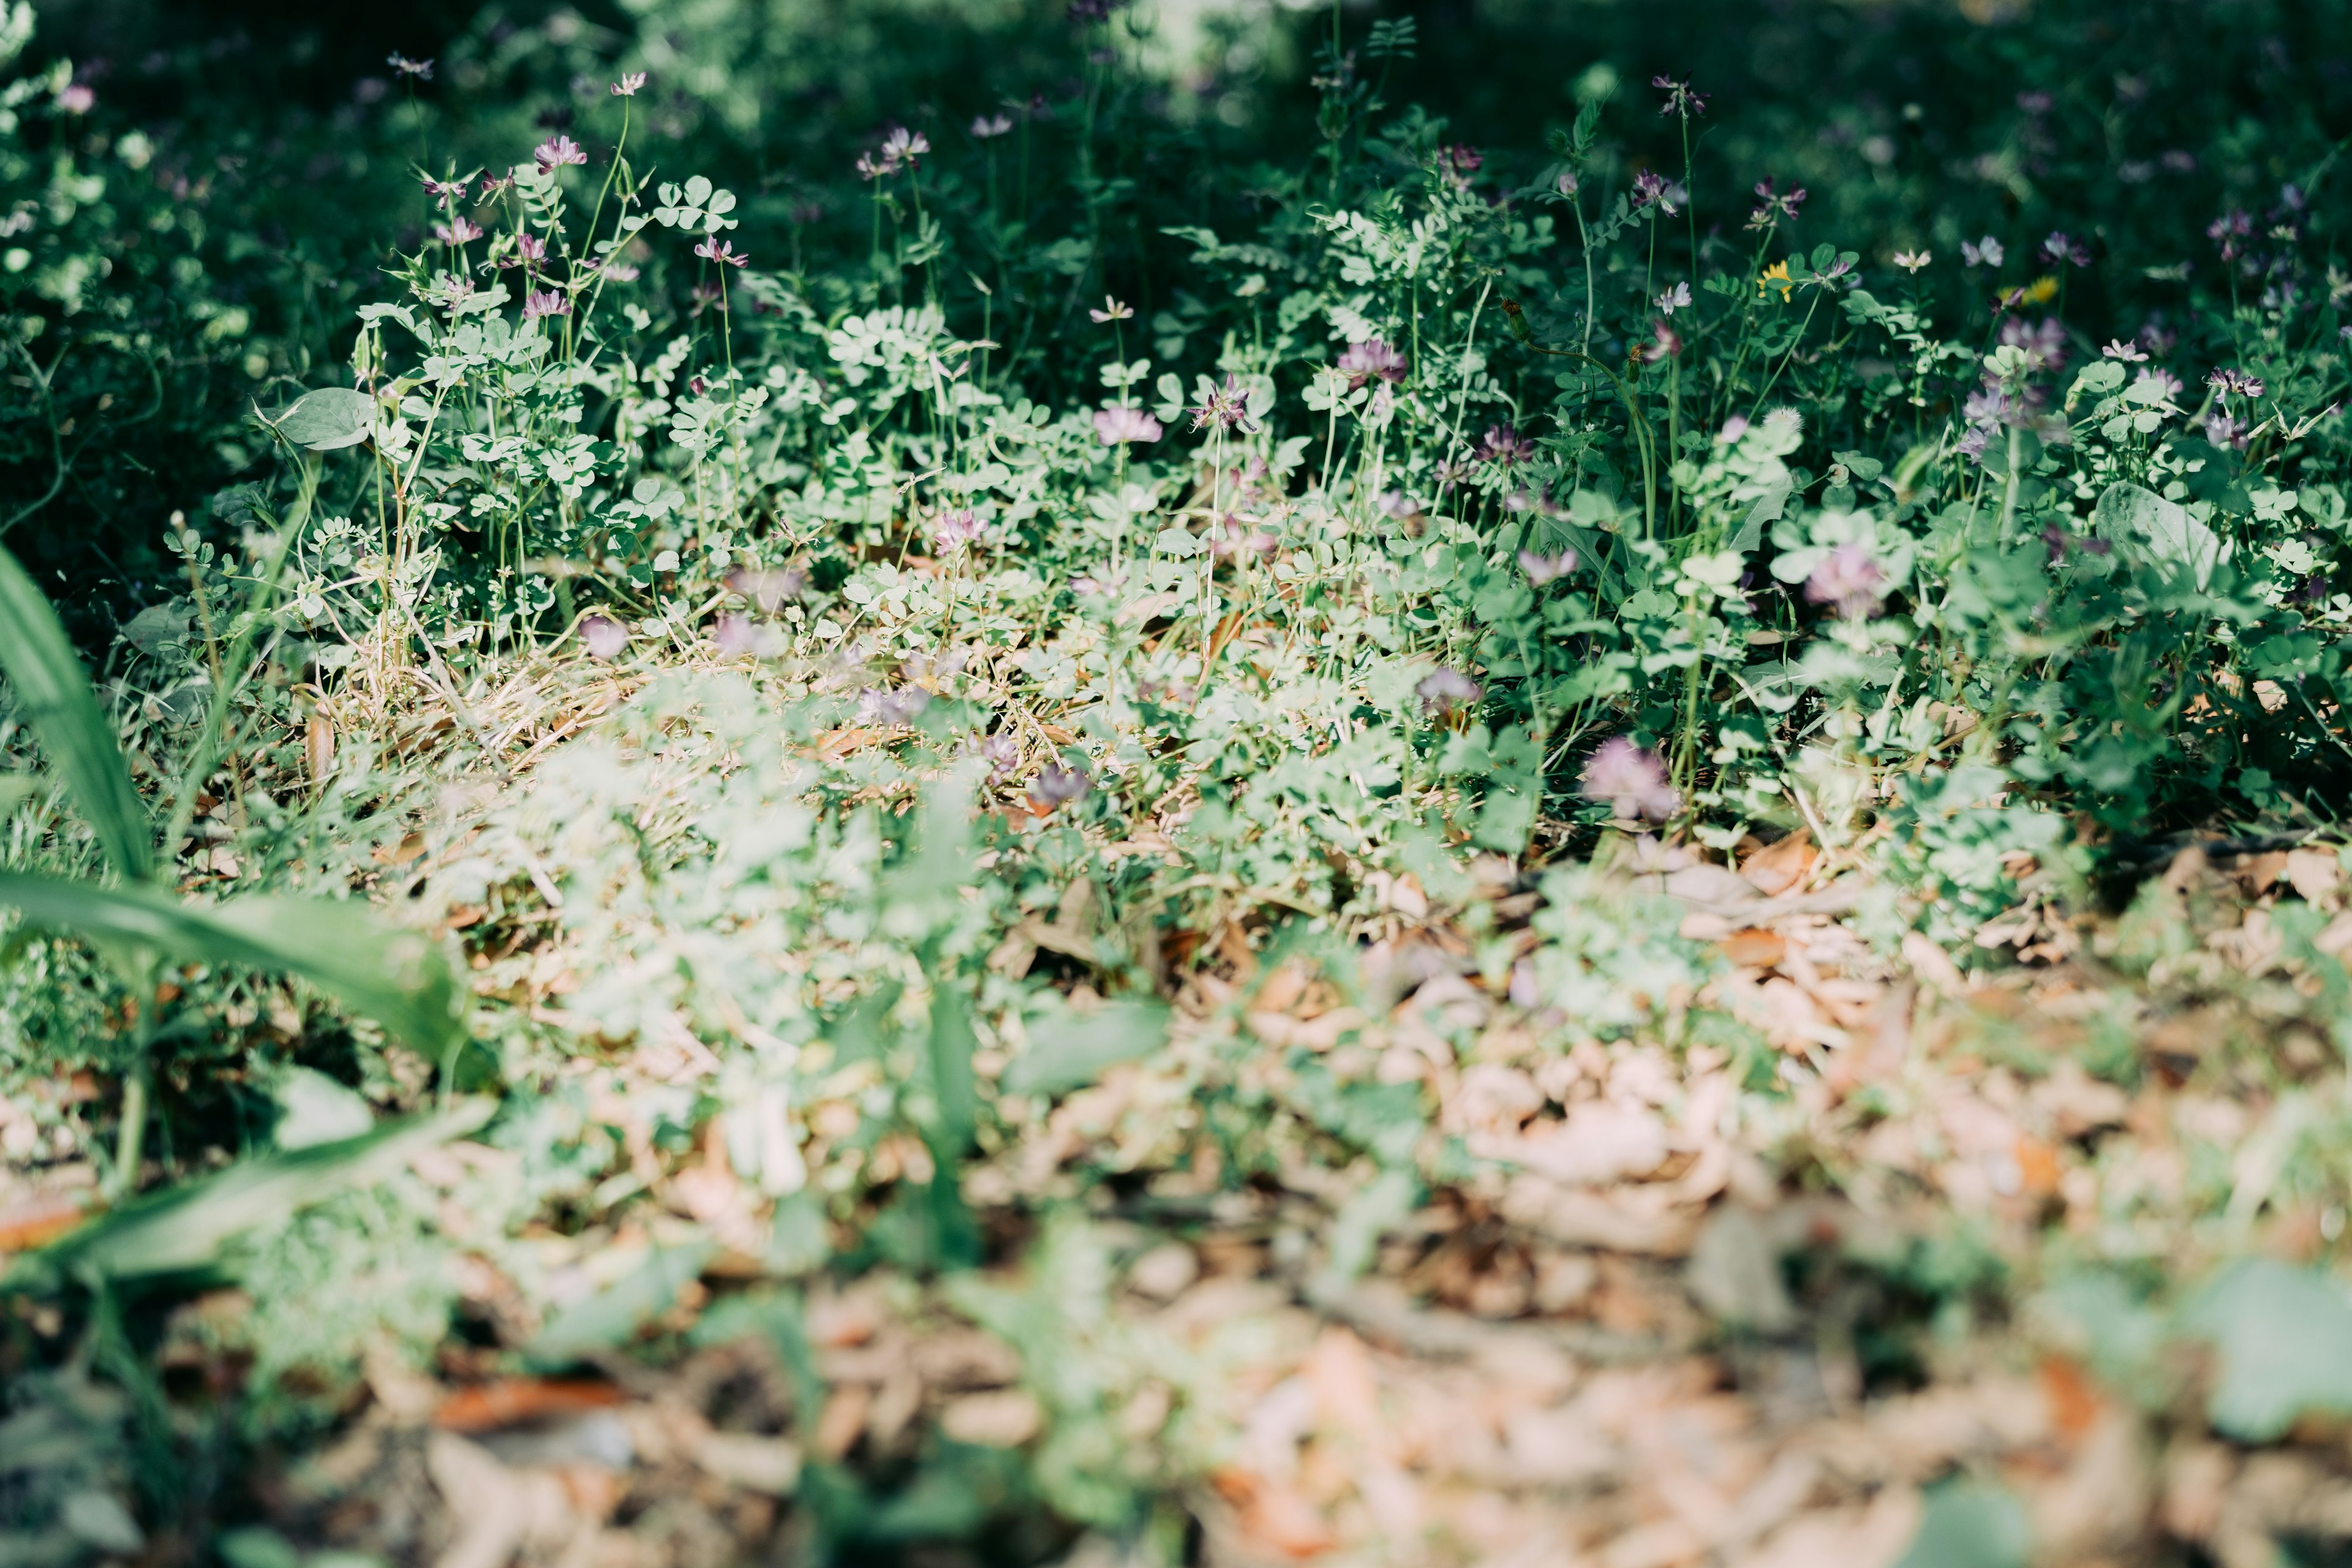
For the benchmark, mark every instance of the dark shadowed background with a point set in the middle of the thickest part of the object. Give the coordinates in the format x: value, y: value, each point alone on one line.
x: 276, y: 155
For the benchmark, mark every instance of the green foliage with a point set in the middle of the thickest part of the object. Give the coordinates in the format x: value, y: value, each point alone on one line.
x: 190, y: 1228
x: 1070, y: 1051
x: 611, y: 1317
x: 2284, y: 1339
x: 397, y: 979
x: 55, y: 698
x: 950, y: 706
x: 1967, y: 1525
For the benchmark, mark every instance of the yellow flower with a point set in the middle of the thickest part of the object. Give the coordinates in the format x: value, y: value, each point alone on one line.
x: 2041, y: 290
x: 1775, y: 276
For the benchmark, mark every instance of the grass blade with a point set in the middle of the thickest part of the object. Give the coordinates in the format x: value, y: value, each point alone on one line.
x: 191, y: 1227
x: 396, y: 977
x: 39, y: 661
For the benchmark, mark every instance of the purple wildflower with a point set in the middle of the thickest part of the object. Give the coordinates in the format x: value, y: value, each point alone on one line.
x: 1677, y: 298
x: 1542, y: 569
x: 1680, y: 99
x: 556, y: 151
x: 1057, y: 785
x: 891, y: 708
x: 2226, y: 380
x: 1828, y: 276
x: 1986, y: 406
x: 1235, y: 535
x: 1227, y: 408
x: 721, y: 251
x: 1849, y: 578
x: 545, y: 302
x: 1002, y: 753
x: 955, y: 530
x: 1986, y: 252
x: 628, y: 85
x: 2059, y: 248
x: 2130, y: 353
x: 605, y: 636
x: 1118, y: 425
x: 1773, y: 206
x: 2229, y: 228
x: 457, y: 231
x: 1445, y: 689
x: 529, y: 250
x: 2045, y: 343
x: 766, y: 587
x: 1371, y: 360
x: 739, y: 634
x: 2056, y: 540
x: 1651, y: 187
x: 988, y: 126
x: 1504, y: 444
x: 1632, y: 781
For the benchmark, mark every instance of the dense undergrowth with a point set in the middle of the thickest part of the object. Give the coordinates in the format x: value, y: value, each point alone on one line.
x: 983, y: 666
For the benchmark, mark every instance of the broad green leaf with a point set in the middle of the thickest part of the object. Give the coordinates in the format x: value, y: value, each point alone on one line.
x: 1765, y: 512
x: 98, y: 1518
x: 2130, y: 514
x: 952, y: 1079
x: 313, y: 1109
x: 1072, y: 1051
x: 190, y: 1227
x: 925, y: 890
x: 612, y: 1316
x: 396, y: 977
x: 949, y: 1499
x: 1365, y: 1220
x: 256, y: 1546
x: 1967, y: 1525
x: 2284, y: 1335
x: 39, y: 662
x: 2100, y: 376
x: 326, y: 420
x: 955, y: 1237
x: 2099, y: 1318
